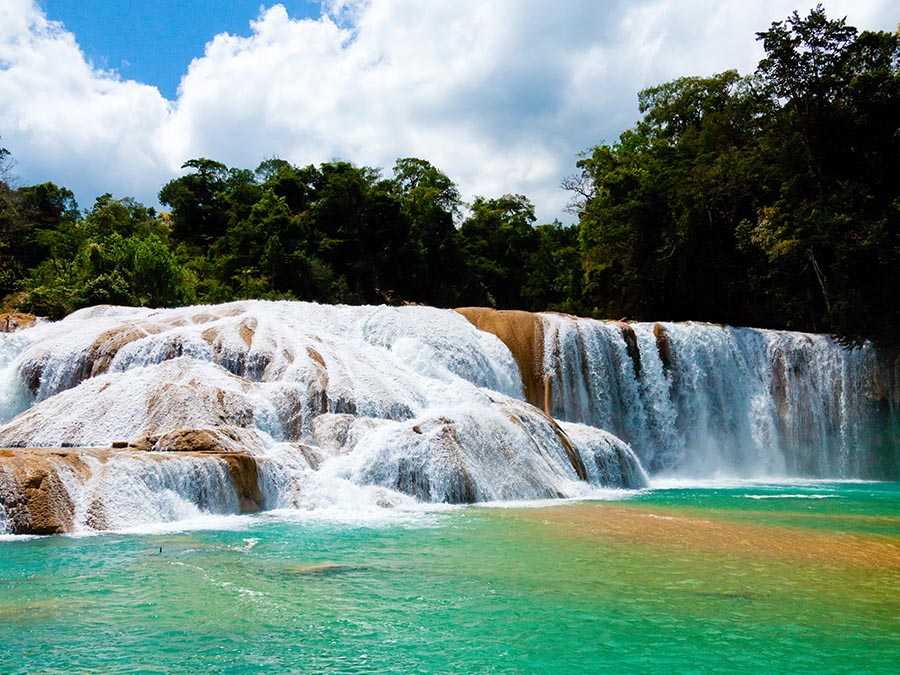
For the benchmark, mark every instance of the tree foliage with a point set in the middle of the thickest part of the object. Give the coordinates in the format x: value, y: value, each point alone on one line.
x: 770, y: 199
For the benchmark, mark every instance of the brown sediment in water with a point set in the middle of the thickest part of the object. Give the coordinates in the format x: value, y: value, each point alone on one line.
x: 321, y: 569
x: 671, y: 530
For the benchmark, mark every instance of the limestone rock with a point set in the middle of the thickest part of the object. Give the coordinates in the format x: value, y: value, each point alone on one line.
x: 523, y: 334
x: 32, y: 493
x: 663, y: 345
x: 13, y: 321
x: 216, y: 440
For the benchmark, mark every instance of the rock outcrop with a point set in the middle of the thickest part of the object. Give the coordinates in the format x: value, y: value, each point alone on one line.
x: 33, y: 497
x: 523, y: 333
x: 13, y: 321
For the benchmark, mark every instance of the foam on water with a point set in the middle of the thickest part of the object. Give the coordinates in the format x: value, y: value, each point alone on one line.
x: 791, y: 496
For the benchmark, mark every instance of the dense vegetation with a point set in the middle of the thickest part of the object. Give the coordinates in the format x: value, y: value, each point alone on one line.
x: 771, y: 199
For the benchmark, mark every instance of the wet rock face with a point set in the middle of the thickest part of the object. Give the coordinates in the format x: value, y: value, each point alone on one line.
x: 172, y: 395
x: 35, y: 483
x: 32, y: 494
x: 245, y: 476
x: 216, y: 440
x: 663, y: 346
x: 523, y: 333
x: 631, y: 346
x: 232, y: 444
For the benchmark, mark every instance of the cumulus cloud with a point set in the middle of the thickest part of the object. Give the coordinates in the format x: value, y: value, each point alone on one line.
x: 67, y: 121
x: 500, y: 94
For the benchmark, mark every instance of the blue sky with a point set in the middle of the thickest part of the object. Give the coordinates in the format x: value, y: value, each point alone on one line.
x: 502, y: 95
x: 154, y: 41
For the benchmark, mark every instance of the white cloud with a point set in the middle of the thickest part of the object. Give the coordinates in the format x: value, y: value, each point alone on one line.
x: 68, y: 122
x: 500, y: 94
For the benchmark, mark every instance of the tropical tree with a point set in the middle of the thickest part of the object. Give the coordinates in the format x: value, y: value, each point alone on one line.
x: 497, y: 240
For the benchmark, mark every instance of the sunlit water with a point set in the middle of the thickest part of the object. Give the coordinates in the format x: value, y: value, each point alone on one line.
x: 752, y: 578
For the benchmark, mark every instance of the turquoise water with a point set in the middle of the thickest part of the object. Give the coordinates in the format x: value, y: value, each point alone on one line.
x: 796, y: 578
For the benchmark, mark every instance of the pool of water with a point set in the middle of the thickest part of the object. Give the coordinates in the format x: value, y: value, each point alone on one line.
x: 741, y: 578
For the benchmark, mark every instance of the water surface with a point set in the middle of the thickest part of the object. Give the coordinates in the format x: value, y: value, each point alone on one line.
x: 800, y: 577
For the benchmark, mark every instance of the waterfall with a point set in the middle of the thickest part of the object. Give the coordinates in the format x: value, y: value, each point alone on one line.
x: 126, y: 491
x: 115, y: 416
x: 704, y: 400
x: 158, y: 413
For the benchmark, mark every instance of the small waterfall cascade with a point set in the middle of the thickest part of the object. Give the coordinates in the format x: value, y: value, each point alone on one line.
x: 704, y: 400
x: 99, y: 490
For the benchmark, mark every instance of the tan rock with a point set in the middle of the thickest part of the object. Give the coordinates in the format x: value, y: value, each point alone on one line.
x: 245, y: 476
x: 663, y: 345
x: 247, y: 330
x: 108, y: 344
x: 523, y: 333
x: 216, y: 440
x: 13, y: 321
x: 32, y: 494
x: 631, y: 346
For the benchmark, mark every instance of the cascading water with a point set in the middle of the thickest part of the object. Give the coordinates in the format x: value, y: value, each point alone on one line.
x: 295, y: 405
x: 375, y: 404
x: 125, y: 491
x: 702, y: 400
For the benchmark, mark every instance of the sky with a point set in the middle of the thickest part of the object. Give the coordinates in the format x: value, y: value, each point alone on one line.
x: 502, y: 95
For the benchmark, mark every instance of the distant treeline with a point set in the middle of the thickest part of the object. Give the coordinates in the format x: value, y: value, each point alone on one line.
x: 770, y: 200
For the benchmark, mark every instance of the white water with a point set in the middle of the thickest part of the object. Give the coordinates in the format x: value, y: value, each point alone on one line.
x: 351, y: 410
x: 733, y: 401
x: 128, y: 491
x: 354, y: 408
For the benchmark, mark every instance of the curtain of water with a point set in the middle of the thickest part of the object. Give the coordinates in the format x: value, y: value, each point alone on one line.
x: 702, y: 400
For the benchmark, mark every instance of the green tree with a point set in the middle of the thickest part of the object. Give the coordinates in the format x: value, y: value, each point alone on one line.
x: 832, y: 231
x: 498, y: 239
x: 198, y: 214
x: 113, y: 255
x: 554, y: 278
x: 766, y: 200
x: 126, y: 216
x: 431, y: 204
x: 657, y: 228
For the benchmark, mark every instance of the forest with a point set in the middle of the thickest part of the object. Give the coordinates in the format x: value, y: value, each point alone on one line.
x: 770, y: 199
